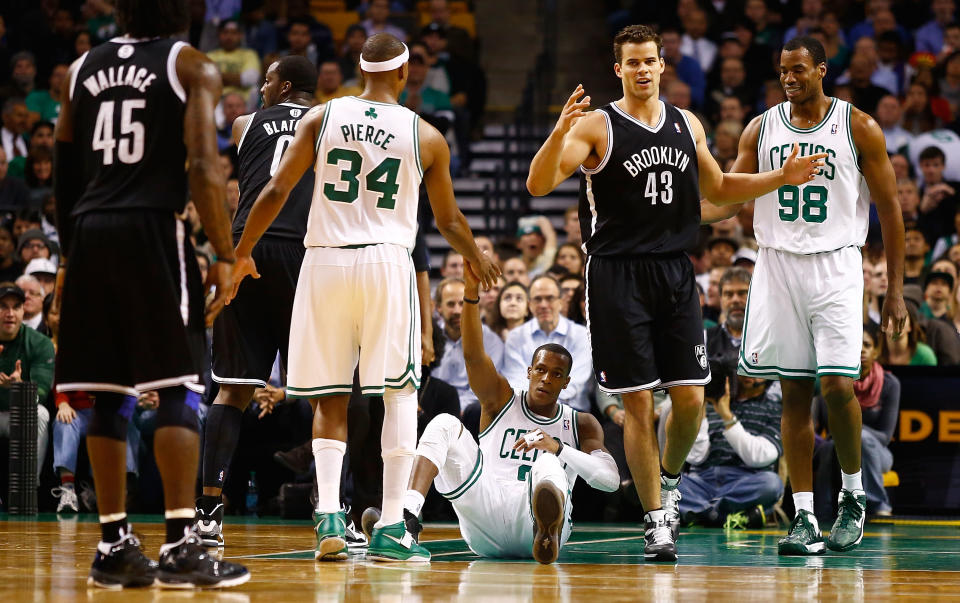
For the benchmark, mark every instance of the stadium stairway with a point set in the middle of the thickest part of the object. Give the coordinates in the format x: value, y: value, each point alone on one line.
x: 494, y: 194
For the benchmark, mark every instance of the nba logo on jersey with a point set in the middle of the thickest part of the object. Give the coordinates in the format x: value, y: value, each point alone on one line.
x: 603, y: 377
x: 677, y: 128
x: 833, y: 129
x: 566, y: 424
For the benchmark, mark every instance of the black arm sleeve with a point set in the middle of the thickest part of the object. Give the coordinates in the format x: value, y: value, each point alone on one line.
x: 66, y: 190
x: 421, y: 259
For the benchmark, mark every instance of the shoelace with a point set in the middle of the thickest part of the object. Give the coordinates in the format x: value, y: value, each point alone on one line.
x: 661, y: 534
x: 58, y: 491
x: 670, y: 500
x: 851, y: 512
x: 735, y: 521
x: 801, y: 528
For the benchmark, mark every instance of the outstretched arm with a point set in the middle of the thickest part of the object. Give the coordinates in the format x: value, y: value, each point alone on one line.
x: 435, y: 158
x: 878, y: 171
x: 491, y: 388
x: 746, y: 163
x: 570, y: 143
x: 724, y: 189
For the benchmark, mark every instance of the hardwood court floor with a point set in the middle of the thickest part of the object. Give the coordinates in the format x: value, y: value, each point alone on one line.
x: 48, y: 560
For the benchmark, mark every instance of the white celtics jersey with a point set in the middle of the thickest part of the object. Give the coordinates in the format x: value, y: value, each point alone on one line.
x: 505, y: 464
x: 367, y: 175
x: 829, y: 212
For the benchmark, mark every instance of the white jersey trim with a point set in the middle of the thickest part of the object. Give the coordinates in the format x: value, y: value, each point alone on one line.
x: 593, y: 210
x: 246, y: 129
x: 606, y: 155
x: 76, y: 72
x: 654, y: 129
x: 184, y: 295
x: 172, y: 71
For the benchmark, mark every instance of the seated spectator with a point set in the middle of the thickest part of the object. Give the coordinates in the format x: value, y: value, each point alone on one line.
x: 488, y: 299
x: 232, y: 105
x: 711, y: 307
x: 571, y: 257
x: 929, y: 37
x: 918, y: 110
x: 378, y: 15
x: 10, y: 267
x: 695, y: 43
x: 300, y: 43
x: 888, y: 117
x: 688, y: 69
x: 452, y: 265
x: 239, y: 67
x: 945, y: 242
x: 485, y: 245
x: 45, y: 271
x: 74, y: 412
x: 938, y: 294
x: 41, y: 135
x: 549, y: 326
x: 39, y: 174
x: 537, y: 244
x: 866, y: 94
x: 350, y: 56
x: 511, y: 310
x: 23, y: 75
x: 429, y: 103
x: 878, y: 392
x: 33, y: 302
x: 452, y: 368
x: 330, y: 83
x: 569, y: 285
x: 938, y: 333
x: 435, y: 396
x: 903, y: 169
x: 25, y: 355
x: 876, y: 289
x: 45, y: 104
x: 571, y: 225
x: 15, y: 124
x: 721, y: 249
x: 515, y: 269
x: 733, y: 110
x: 745, y: 258
x: 939, y: 197
x: 915, y: 249
x: 14, y: 194
x: 908, y: 195
x: 732, y: 82
x: 733, y: 462
x: 910, y: 350
x: 724, y: 339
x: 34, y: 244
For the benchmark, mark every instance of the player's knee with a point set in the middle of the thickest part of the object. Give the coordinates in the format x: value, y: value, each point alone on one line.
x: 447, y: 426
x: 178, y: 408
x: 836, y: 389
x: 111, y: 413
x: 687, y: 408
x: 237, y: 396
x: 405, y: 395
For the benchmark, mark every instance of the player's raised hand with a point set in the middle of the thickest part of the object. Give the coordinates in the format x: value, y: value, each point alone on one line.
x: 573, y: 110
x: 220, y: 279
x: 800, y: 170
x: 893, y: 315
x: 536, y: 440
x: 484, y: 271
x: 242, y: 268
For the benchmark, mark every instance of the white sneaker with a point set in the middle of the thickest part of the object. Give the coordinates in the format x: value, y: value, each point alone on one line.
x: 68, y: 498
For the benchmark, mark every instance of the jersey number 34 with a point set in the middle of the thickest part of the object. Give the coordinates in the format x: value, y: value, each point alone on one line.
x: 381, y: 179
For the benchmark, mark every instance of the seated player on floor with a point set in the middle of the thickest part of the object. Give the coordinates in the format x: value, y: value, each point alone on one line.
x: 512, y: 492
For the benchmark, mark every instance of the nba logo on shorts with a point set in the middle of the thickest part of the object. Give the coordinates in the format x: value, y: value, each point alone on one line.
x: 566, y: 424
x: 701, y: 352
x: 833, y: 129
x: 603, y: 377
x: 755, y: 357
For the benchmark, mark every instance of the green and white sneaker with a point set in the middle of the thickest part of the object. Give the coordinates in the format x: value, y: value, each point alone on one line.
x: 847, y: 531
x: 804, y: 537
x: 395, y: 542
x: 331, y: 531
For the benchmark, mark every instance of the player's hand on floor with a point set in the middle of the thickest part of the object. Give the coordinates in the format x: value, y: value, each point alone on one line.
x: 536, y: 440
x: 893, y: 315
x: 800, y: 170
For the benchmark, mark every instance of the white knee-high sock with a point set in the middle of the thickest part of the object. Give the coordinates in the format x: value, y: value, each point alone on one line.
x: 398, y: 441
x: 328, y: 457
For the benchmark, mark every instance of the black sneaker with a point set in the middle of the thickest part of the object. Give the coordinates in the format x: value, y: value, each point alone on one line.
x: 124, y: 565
x: 371, y: 515
x: 659, y: 542
x: 188, y: 565
x: 356, y: 539
x: 209, y: 523
x: 413, y: 525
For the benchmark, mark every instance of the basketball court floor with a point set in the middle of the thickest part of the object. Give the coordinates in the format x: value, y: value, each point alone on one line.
x: 46, y: 559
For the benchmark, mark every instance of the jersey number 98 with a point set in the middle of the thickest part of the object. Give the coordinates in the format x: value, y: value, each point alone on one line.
x: 814, y: 208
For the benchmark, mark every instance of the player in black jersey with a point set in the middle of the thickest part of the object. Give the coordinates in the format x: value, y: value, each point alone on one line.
x: 644, y: 165
x: 255, y: 326
x: 139, y: 108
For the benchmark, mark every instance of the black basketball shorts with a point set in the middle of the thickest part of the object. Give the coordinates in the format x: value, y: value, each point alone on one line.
x: 132, y: 314
x: 256, y: 325
x: 645, y: 326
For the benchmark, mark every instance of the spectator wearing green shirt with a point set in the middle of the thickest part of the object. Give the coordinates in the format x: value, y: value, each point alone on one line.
x: 25, y: 355
x: 239, y: 67
x: 430, y: 104
x: 910, y: 350
x: 44, y: 105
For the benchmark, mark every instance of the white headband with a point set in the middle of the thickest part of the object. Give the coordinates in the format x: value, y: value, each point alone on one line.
x: 388, y: 65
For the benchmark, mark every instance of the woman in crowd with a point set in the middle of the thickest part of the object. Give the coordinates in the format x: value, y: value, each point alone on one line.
x: 571, y: 257
x: 512, y: 309
x: 488, y: 301
x: 910, y: 350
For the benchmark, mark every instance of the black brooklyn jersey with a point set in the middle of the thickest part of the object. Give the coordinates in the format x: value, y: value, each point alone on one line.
x: 644, y: 197
x: 266, y: 137
x: 128, y: 108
